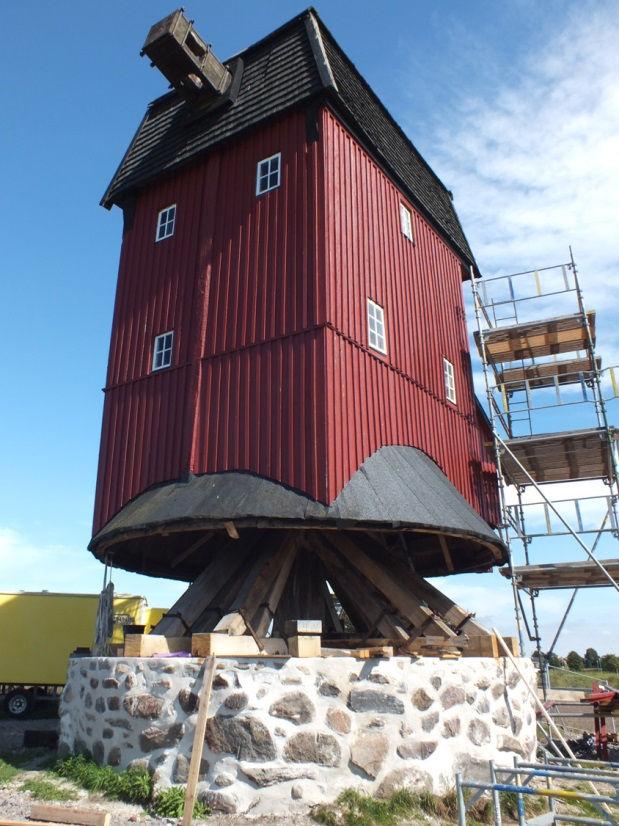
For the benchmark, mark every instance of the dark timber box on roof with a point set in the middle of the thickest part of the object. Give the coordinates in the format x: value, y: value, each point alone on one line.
x: 278, y: 410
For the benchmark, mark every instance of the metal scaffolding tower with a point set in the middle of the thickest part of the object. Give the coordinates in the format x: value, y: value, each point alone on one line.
x: 536, y: 341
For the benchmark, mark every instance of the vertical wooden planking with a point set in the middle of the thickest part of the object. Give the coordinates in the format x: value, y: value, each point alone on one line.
x: 397, y: 398
x: 267, y: 297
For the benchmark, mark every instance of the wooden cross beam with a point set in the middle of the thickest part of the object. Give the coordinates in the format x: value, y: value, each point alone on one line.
x: 350, y: 586
x: 398, y: 595
x: 266, y: 578
x: 190, y: 605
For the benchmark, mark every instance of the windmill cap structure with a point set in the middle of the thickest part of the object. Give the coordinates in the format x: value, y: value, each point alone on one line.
x: 183, y: 57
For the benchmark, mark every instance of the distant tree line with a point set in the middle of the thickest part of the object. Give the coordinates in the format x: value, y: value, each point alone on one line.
x: 576, y: 662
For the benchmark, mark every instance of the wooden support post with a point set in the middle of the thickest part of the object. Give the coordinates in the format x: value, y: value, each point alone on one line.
x: 449, y: 611
x: 397, y: 594
x: 351, y: 588
x: 266, y: 611
x: 256, y: 584
x: 446, y: 552
x: 182, y: 556
x: 204, y: 589
x: 305, y: 645
x: 198, y: 741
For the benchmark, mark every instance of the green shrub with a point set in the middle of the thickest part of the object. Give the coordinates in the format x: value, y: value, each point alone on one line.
x: 133, y: 785
x: 355, y: 809
x: 170, y: 803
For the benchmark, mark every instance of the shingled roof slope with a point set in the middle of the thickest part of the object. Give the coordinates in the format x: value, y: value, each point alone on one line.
x: 299, y: 61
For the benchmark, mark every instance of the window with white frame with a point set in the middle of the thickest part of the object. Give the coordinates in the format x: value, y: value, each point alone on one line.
x: 450, y: 380
x: 376, y: 327
x: 162, y: 350
x: 165, y: 223
x: 268, y: 174
x: 406, y: 222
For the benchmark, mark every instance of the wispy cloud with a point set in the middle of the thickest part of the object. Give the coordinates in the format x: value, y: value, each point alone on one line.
x: 531, y: 153
x: 534, y: 161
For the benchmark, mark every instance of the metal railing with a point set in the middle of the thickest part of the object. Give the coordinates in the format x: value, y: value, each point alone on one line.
x: 517, y: 781
x: 581, y: 512
x: 520, y: 392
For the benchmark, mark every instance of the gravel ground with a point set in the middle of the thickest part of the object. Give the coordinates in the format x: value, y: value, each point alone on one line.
x: 16, y: 805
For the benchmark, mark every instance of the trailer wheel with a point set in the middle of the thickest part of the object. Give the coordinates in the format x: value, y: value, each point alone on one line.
x: 18, y: 702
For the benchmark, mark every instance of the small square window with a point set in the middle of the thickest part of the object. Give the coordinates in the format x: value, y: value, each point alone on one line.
x: 406, y: 222
x: 376, y: 327
x: 450, y: 381
x: 268, y: 174
x: 162, y: 351
x: 165, y: 223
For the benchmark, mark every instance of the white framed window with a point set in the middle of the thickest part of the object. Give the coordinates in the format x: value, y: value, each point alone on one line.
x: 165, y: 223
x: 268, y: 174
x: 406, y: 221
x: 162, y: 350
x: 450, y: 380
x: 377, y: 338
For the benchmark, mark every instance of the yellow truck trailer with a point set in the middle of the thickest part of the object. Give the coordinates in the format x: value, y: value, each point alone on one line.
x: 39, y: 631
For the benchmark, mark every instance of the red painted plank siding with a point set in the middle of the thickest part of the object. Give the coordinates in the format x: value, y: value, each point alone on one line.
x: 236, y: 283
x: 267, y: 299
x: 397, y: 398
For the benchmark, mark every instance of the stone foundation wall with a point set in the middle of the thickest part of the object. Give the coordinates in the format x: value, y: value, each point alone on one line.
x: 288, y: 733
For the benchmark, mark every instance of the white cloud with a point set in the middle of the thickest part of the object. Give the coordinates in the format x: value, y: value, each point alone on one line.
x: 28, y: 566
x: 533, y: 161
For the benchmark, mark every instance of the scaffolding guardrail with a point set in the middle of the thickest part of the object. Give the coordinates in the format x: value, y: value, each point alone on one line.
x: 517, y: 780
x: 525, y: 321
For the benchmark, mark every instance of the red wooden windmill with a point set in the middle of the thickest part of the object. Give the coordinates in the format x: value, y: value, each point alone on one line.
x: 289, y: 415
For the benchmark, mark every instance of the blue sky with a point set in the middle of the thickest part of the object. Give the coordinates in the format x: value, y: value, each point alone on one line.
x: 515, y: 105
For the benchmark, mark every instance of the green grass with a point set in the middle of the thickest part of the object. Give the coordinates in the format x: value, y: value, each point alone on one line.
x: 581, y: 679
x: 46, y: 790
x: 170, y: 803
x: 132, y: 786
x: 7, y: 772
x: 532, y: 805
x: 354, y: 809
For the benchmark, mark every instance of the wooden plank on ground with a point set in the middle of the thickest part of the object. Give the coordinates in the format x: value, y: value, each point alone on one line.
x: 148, y: 645
x: 198, y: 741
x: 226, y: 645
x: 63, y: 814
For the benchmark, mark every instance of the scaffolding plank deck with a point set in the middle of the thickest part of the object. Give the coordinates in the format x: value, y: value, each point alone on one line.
x: 560, y: 457
x: 570, y: 371
x: 531, y: 339
x: 564, y: 575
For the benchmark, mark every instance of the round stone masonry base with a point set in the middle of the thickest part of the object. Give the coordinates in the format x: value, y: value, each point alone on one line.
x: 286, y: 734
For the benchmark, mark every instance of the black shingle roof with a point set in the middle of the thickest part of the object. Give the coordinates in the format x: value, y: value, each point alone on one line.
x: 299, y: 61
x: 398, y: 486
